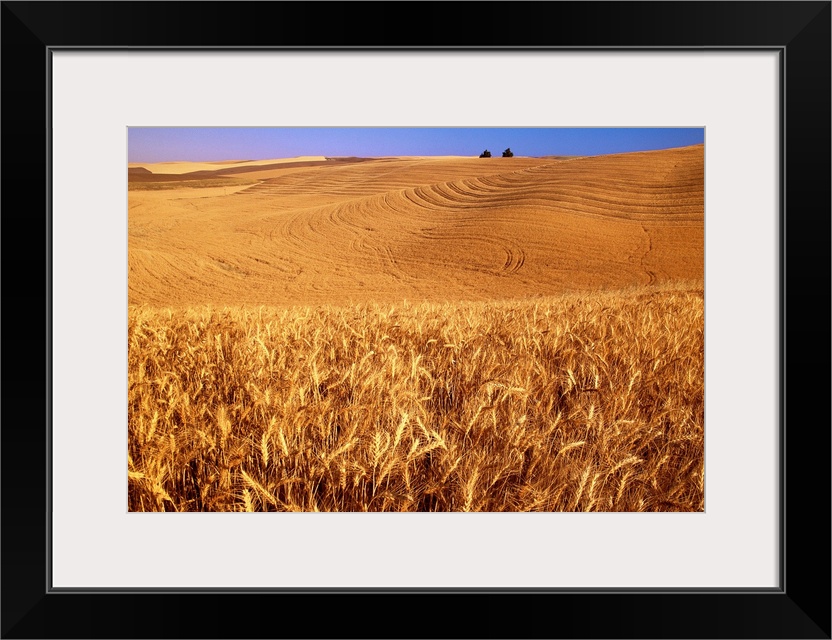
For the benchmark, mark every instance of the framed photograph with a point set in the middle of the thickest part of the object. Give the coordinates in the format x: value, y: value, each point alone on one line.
x: 169, y: 172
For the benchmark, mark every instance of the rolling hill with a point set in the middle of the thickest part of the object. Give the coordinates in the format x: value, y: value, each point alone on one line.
x: 340, y: 231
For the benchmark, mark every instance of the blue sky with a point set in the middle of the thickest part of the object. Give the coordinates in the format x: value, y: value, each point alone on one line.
x: 160, y: 144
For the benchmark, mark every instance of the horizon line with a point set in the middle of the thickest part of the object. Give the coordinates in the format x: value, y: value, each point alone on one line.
x: 416, y: 155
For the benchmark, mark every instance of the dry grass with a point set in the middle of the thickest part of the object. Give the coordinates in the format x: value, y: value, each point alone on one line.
x: 568, y: 403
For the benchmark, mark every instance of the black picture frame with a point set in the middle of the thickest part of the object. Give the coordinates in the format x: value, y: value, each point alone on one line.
x: 799, y: 608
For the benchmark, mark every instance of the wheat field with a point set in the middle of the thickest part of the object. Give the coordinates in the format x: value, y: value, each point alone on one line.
x: 418, y: 334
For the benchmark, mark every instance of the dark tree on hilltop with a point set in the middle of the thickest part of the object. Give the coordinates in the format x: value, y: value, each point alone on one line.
x: 508, y: 154
x: 485, y: 154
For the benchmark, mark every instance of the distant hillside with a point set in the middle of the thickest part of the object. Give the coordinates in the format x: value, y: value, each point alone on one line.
x: 389, y: 229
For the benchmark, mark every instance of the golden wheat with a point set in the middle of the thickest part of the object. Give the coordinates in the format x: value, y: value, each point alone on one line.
x: 584, y: 403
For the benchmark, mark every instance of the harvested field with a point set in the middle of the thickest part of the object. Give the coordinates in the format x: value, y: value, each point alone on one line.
x: 420, y: 229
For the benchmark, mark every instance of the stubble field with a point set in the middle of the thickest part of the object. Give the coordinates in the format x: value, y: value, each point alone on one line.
x: 418, y: 334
